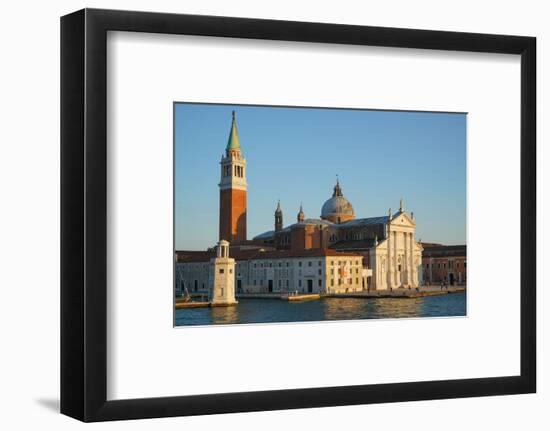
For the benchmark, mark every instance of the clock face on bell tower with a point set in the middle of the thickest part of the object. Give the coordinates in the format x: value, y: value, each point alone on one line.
x: 233, y: 189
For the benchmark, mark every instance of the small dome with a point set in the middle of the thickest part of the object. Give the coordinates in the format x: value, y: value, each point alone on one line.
x: 337, y: 209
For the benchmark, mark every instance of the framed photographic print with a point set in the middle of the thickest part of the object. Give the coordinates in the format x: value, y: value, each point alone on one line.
x: 262, y: 215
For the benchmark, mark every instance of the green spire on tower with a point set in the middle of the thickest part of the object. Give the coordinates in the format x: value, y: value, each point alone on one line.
x: 233, y: 143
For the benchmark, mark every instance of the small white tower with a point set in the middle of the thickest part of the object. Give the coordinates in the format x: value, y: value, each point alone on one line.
x: 222, y: 280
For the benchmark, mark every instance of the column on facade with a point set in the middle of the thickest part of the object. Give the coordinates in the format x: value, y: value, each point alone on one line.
x: 389, y: 263
x: 414, y: 269
x: 407, y: 258
x: 414, y: 277
x: 396, y: 281
x: 378, y: 274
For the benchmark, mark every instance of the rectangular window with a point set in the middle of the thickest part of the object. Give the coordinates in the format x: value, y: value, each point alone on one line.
x: 356, y: 281
x: 332, y: 282
x: 319, y: 263
x: 320, y: 272
x: 300, y: 264
x: 299, y: 283
x: 221, y: 270
x: 309, y: 264
x: 254, y: 282
x: 287, y: 283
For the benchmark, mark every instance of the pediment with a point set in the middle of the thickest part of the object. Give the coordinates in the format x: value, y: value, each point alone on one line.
x: 403, y: 219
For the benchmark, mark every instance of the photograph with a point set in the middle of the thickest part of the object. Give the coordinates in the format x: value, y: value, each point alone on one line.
x: 306, y: 214
x: 275, y: 216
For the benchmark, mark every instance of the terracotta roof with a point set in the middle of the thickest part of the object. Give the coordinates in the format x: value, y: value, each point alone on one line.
x: 194, y: 256
x: 431, y: 244
x: 444, y: 250
x: 313, y: 252
x: 205, y: 256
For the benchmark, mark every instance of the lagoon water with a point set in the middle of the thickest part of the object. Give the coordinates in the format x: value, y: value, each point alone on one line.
x: 274, y: 310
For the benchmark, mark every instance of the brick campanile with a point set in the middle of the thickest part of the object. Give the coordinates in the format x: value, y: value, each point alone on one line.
x: 233, y: 190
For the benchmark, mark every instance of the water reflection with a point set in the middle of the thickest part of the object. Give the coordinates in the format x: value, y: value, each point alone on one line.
x: 357, y: 308
x: 274, y: 310
x: 401, y: 307
x: 225, y: 315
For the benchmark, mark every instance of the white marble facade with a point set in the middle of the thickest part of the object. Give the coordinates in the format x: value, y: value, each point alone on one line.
x: 396, y: 259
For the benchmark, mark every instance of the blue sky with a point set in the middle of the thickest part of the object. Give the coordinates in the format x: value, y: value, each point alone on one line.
x: 294, y: 154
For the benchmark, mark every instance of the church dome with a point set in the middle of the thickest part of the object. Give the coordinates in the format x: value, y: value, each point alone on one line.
x: 337, y: 209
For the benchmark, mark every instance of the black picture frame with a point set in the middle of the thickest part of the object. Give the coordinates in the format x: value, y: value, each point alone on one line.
x: 84, y: 214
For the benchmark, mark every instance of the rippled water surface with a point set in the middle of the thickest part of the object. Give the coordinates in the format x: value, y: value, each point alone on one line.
x: 275, y: 310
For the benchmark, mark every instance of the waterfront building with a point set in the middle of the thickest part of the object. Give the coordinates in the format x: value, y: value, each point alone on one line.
x: 444, y: 264
x: 335, y: 253
x: 318, y: 270
x: 386, y: 243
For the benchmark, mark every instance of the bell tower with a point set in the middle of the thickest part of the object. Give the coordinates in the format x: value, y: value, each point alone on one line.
x: 278, y: 217
x: 233, y: 189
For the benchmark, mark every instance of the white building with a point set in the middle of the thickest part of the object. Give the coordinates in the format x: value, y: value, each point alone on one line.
x: 257, y: 271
